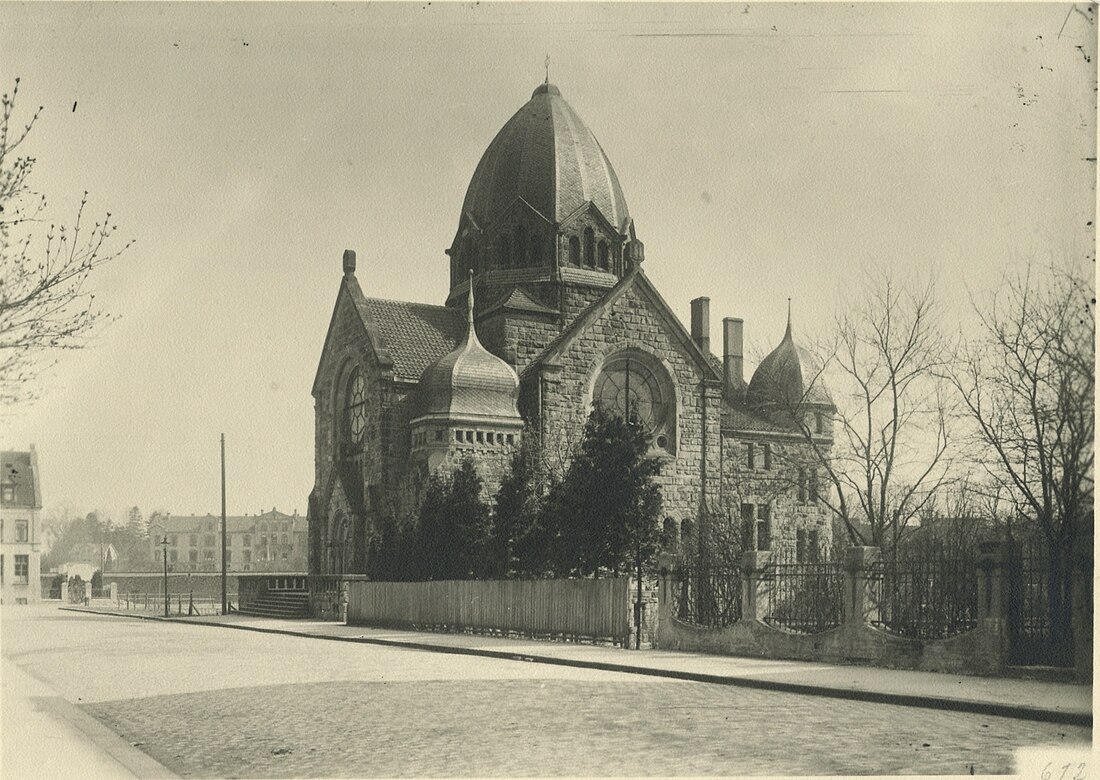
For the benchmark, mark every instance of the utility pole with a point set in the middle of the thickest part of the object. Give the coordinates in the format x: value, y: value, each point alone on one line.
x: 225, y: 603
x: 164, y: 544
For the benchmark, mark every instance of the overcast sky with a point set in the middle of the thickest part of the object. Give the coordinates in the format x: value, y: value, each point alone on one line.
x: 765, y: 152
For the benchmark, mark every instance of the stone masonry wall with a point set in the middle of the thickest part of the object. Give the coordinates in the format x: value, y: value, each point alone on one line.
x: 633, y: 322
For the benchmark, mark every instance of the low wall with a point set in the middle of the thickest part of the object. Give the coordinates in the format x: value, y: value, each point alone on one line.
x: 200, y: 584
x: 590, y: 609
x: 982, y: 650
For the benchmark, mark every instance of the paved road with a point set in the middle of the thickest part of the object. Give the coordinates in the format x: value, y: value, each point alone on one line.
x: 208, y: 702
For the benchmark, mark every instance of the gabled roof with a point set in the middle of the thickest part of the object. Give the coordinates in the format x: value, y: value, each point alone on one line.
x: 637, y: 279
x: 516, y: 299
x: 415, y: 334
x: 404, y: 336
x: 20, y: 471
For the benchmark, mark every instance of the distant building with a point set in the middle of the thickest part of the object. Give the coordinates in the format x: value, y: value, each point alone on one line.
x: 272, y: 541
x: 85, y: 559
x: 20, y: 508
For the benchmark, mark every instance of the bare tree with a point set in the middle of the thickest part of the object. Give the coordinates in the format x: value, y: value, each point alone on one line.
x: 1027, y: 381
x: 44, y: 307
x: 891, y: 449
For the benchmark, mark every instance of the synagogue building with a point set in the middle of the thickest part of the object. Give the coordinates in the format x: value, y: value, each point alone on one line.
x: 549, y: 311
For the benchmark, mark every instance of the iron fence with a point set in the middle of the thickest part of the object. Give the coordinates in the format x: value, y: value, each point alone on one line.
x: 178, y: 603
x: 925, y: 591
x: 708, y: 597
x: 1039, y: 615
x: 804, y: 597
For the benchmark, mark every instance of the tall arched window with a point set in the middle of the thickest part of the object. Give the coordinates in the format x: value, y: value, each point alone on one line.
x: 521, y: 246
x: 355, y: 413
x: 589, y: 247
x: 602, y: 255
x: 574, y: 250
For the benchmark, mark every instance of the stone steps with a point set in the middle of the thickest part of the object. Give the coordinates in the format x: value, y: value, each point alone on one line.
x: 279, y: 604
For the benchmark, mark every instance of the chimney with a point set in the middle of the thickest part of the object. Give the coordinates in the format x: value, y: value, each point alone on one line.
x: 733, y: 354
x: 700, y: 323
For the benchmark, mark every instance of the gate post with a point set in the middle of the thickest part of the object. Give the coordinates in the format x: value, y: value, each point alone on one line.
x: 997, y: 604
x: 857, y: 597
x: 754, y: 589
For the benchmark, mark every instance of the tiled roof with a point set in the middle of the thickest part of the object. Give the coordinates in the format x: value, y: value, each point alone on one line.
x: 518, y: 300
x: 415, y: 334
x: 737, y: 418
x: 18, y: 471
x: 194, y: 524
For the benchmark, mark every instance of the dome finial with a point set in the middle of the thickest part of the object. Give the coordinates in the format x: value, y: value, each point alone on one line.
x: 788, y: 333
x: 547, y: 65
x: 470, y: 305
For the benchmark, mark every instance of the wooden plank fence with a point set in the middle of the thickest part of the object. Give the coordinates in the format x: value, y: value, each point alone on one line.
x: 588, y: 609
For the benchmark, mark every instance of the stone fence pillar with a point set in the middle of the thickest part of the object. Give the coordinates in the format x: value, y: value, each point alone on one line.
x: 65, y: 591
x: 754, y: 593
x: 114, y: 591
x: 994, y: 604
x: 857, y: 584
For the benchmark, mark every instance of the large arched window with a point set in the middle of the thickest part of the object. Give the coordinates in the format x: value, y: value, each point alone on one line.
x: 589, y: 247
x: 636, y: 386
x: 355, y: 409
x: 574, y: 250
x: 602, y: 255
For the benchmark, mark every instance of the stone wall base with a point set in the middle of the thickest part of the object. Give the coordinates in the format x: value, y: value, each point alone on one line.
x: 973, y: 652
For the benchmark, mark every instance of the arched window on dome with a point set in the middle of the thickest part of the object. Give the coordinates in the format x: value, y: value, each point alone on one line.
x: 589, y: 247
x: 574, y: 250
x: 602, y: 255
x: 504, y: 251
x: 521, y: 246
x: 537, y: 258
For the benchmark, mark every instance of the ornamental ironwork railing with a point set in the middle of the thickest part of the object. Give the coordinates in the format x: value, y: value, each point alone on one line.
x: 803, y: 597
x: 707, y: 597
x: 1039, y: 605
x: 925, y: 591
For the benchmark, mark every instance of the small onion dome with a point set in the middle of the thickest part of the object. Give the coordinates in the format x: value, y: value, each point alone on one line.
x: 781, y: 378
x: 469, y: 383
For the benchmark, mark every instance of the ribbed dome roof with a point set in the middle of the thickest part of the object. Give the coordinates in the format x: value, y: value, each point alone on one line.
x: 469, y: 382
x: 781, y: 377
x: 546, y: 155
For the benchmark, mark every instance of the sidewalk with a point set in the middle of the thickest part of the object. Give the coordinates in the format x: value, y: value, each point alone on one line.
x: 1014, y: 698
x: 46, y: 736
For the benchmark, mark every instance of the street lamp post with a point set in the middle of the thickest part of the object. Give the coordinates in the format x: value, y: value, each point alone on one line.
x: 164, y: 544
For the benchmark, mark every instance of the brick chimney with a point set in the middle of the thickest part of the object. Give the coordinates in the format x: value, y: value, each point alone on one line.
x: 733, y: 355
x: 700, y: 323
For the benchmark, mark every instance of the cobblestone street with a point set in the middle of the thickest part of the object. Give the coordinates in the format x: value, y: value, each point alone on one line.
x: 210, y: 702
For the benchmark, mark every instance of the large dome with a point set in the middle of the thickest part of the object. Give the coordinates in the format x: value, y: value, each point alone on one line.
x: 546, y: 155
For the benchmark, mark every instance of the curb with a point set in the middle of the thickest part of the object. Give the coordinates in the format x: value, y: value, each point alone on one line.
x: 1015, y: 711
